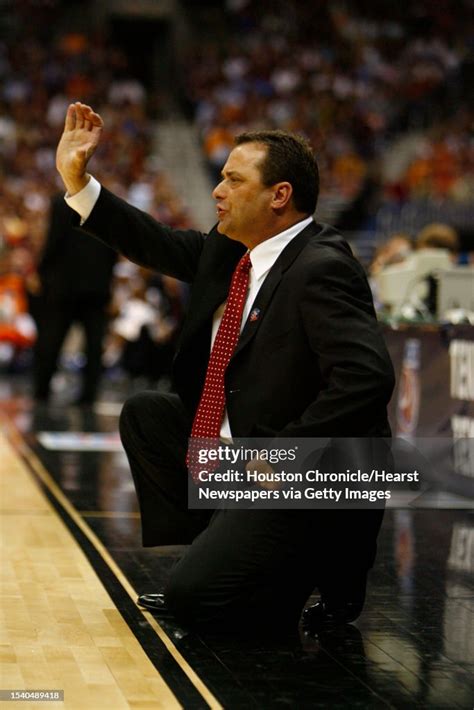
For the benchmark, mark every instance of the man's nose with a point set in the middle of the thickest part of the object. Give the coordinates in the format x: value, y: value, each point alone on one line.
x: 218, y: 191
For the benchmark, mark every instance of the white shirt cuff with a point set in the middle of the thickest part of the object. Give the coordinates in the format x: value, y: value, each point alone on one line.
x: 83, y: 202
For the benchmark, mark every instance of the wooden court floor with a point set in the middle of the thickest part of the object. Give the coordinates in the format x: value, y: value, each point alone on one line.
x: 59, y: 627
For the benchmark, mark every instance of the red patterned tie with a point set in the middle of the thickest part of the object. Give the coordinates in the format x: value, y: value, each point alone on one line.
x: 208, y: 418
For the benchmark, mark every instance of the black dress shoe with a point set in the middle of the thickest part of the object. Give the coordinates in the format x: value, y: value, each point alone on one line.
x: 325, y: 615
x: 155, y: 603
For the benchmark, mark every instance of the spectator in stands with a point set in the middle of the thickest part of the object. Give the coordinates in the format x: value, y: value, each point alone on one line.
x: 17, y: 329
x: 438, y: 236
x: 394, y: 251
x: 142, y: 333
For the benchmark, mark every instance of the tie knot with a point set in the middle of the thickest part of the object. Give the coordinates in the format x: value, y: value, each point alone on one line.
x: 244, y: 264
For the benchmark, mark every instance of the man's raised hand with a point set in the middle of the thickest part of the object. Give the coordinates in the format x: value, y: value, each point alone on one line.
x: 79, y: 140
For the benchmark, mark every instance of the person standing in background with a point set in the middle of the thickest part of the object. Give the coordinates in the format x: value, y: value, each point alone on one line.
x: 74, y: 287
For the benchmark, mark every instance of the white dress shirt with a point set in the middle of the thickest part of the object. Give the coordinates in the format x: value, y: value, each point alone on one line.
x: 262, y: 257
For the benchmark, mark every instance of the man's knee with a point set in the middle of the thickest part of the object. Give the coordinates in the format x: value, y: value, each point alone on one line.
x: 132, y: 407
x: 130, y: 415
x: 145, y: 414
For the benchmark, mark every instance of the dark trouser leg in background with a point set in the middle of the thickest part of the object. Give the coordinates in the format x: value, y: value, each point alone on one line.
x: 94, y: 321
x: 54, y: 321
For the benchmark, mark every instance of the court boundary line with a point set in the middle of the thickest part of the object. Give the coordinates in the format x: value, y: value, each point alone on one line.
x: 57, y: 497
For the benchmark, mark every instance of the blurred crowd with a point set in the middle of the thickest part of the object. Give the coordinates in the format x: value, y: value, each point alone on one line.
x: 349, y: 77
x: 39, y: 77
x: 351, y: 80
x: 442, y: 166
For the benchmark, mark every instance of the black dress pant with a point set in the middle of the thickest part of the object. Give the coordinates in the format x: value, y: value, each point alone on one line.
x: 244, y: 568
x: 54, y: 319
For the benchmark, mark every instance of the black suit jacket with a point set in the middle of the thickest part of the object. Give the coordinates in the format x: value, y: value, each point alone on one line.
x: 311, y: 364
x: 72, y: 268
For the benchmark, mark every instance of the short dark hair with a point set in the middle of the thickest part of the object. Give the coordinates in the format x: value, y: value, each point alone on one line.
x: 289, y: 158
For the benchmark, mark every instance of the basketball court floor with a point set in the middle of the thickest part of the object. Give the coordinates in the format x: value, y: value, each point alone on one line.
x: 72, y: 566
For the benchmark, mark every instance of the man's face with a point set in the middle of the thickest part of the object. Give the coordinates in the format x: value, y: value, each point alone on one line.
x: 243, y: 202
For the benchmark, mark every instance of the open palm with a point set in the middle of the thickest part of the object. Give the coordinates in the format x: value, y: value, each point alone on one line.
x: 81, y: 136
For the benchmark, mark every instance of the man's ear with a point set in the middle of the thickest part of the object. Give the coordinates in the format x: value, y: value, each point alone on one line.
x: 282, y: 193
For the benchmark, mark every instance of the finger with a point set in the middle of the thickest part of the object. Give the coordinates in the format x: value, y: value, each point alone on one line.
x: 87, y: 111
x: 79, y: 115
x: 91, y: 115
x: 87, y: 124
x: 70, y: 122
x: 96, y: 119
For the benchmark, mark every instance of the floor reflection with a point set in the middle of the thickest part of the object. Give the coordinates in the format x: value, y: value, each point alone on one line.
x: 412, y: 647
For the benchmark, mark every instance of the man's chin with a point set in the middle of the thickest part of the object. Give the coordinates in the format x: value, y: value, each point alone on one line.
x: 222, y: 228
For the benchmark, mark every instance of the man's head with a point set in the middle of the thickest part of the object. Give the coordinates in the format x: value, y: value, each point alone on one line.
x: 438, y: 236
x: 270, y: 181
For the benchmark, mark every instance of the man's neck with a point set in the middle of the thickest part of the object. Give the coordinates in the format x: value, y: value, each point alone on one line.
x: 275, y: 229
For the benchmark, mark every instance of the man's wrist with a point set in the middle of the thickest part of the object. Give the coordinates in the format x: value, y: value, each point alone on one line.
x: 76, y: 185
